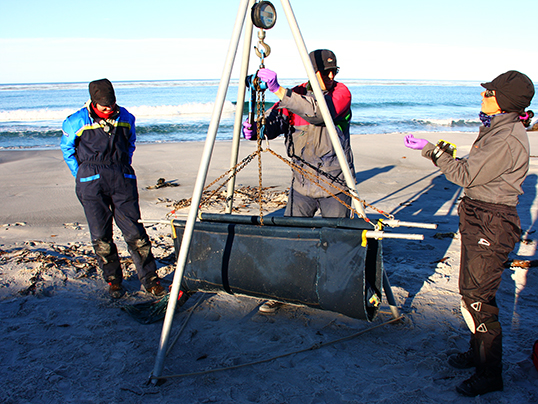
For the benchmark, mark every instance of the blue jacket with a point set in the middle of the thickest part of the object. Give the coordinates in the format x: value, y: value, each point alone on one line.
x: 86, y: 139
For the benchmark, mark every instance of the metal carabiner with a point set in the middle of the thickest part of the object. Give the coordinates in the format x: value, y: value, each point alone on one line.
x: 255, y: 85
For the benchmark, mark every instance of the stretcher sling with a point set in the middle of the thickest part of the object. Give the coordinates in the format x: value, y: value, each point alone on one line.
x: 318, y: 262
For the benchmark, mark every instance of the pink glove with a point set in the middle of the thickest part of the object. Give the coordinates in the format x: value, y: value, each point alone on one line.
x: 414, y: 143
x: 249, y: 131
x: 269, y: 77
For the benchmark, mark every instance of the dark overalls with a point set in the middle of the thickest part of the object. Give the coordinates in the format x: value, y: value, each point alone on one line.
x: 99, y: 153
x: 489, y: 233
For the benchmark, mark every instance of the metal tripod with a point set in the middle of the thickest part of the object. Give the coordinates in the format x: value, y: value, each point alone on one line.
x: 244, y: 7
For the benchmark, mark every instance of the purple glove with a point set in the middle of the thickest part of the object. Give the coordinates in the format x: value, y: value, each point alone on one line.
x: 269, y: 77
x: 249, y: 130
x: 414, y: 143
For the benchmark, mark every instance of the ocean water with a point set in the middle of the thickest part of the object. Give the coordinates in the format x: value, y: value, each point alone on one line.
x: 31, y: 115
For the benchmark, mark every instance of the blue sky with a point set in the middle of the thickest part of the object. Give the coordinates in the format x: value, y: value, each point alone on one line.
x: 66, y: 41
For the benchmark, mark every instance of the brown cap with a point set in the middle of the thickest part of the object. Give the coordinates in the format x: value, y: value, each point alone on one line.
x: 102, y: 93
x: 323, y: 59
x: 513, y: 91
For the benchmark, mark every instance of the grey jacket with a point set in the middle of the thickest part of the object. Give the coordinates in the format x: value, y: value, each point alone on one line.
x: 307, y: 138
x: 497, y: 164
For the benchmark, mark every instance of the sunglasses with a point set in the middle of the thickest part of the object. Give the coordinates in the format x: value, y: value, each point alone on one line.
x: 489, y: 93
x: 334, y: 72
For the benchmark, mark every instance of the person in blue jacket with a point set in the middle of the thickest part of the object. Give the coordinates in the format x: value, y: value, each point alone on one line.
x: 98, y: 143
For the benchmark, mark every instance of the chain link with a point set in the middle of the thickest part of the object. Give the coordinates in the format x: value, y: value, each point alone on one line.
x: 260, y: 119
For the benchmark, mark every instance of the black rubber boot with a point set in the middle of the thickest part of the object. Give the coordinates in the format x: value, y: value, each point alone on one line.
x: 481, y: 383
x: 462, y: 360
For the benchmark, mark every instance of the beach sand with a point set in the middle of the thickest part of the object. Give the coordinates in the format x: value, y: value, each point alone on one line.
x: 63, y: 340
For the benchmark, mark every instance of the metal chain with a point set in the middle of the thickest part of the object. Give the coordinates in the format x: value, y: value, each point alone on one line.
x: 344, y: 190
x: 238, y: 167
x: 313, y: 178
x: 260, y: 118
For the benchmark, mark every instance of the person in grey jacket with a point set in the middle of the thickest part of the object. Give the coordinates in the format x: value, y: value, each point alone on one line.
x: 489, y: 226
x: 299, y: 118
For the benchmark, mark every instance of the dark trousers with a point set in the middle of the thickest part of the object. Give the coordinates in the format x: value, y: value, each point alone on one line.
x: 107, y: 193
x: 304, y: 206
x: 489, y: 233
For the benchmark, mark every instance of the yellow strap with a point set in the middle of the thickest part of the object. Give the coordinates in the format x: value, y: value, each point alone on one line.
x: 174, y: 234
x: 364, y: 239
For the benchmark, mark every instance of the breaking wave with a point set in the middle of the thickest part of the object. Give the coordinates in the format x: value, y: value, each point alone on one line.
x: 143, y: 111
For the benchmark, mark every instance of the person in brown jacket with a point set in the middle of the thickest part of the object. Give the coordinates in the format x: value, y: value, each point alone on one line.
x: 489, y: 223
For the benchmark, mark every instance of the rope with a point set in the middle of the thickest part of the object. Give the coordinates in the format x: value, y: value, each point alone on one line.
x: 312, y: 348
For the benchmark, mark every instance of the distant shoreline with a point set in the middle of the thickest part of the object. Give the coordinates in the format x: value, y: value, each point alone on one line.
x: 235, y: 81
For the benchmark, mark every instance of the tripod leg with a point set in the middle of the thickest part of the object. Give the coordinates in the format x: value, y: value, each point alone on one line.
x: 390, y: 297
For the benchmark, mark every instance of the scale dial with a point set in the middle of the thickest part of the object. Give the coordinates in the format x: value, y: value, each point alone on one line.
x: 264, y: 15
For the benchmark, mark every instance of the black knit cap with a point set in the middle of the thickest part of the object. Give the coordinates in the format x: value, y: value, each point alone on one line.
x: 323, y: 59
x: 102, y: 93
x: 513, y: 91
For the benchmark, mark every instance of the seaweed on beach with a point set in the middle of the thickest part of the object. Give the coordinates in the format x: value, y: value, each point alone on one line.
x: 245, y: 197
